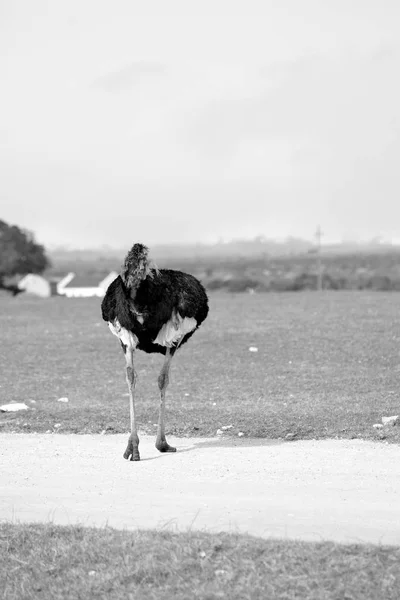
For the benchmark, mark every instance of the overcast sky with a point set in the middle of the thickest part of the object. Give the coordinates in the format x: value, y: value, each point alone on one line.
x: 178, y: 121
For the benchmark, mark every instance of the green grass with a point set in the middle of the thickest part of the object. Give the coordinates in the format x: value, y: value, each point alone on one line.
x: 47, y: 561
x: 327, y: 366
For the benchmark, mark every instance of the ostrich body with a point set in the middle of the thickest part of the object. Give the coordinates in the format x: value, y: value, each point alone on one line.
x: 154, y: 311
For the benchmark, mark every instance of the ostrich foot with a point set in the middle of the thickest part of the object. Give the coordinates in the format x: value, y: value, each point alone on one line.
x: 163, y: 446
x: 132, y: 452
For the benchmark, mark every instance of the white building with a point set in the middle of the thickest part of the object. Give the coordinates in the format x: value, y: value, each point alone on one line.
x: 84, y: 286
x: 35, y: 285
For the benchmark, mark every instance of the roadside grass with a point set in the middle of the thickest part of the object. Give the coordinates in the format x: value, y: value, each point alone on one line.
x: 48, y: 561
x: 327, y: 366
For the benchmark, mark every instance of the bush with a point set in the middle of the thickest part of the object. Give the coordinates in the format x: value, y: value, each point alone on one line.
x: 217, y: 284
x: 244, y: 284
x: 306, y: 281
x: 380, y: 283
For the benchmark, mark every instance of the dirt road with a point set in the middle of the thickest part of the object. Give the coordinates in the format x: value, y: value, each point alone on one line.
x: 347, y: 491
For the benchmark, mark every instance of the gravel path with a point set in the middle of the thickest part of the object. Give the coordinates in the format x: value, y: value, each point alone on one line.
x: 347, y: 491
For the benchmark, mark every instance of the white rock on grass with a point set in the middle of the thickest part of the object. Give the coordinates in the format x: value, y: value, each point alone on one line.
x: 377, y: 426
x: 219, y: 432
x: 253, y: 349
x: 240, y: 434
x: 394, y: 420
x: 13, y: 407
x: 62, y: 400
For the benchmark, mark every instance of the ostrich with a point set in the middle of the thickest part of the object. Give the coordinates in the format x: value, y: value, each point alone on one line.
x: 155, y: 311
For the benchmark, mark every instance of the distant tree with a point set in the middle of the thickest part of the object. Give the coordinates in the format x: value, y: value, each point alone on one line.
x: 19, y: 254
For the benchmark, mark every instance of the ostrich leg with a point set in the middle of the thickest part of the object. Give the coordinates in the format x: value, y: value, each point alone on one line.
x: 163, y: 380
x: 132, y: 451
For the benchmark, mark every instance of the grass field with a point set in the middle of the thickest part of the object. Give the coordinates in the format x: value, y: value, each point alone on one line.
x: 327, y: 365
x: 45, y: 561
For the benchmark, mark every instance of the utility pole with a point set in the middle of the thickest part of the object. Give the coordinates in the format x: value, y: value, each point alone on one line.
x: 318, y: 237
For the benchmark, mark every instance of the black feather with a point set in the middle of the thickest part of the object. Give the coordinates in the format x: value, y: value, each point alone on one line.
x: 156, y: 298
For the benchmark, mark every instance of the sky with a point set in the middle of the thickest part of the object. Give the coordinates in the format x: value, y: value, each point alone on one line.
x: 182, y: 122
